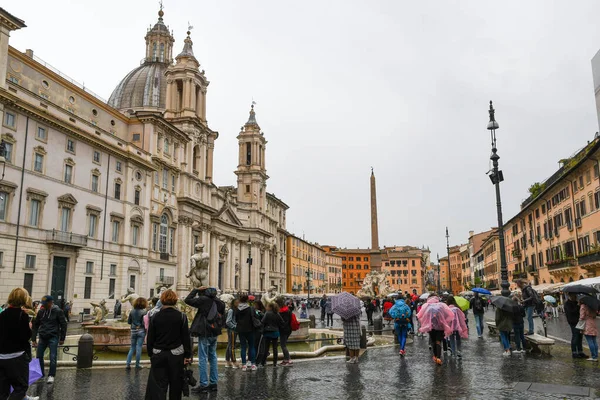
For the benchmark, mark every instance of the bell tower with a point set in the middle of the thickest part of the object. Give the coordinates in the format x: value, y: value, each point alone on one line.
x: 186, y: 85
x: 251, y: 170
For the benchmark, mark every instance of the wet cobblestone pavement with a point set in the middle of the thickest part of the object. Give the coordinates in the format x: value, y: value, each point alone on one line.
x: 482, y: 373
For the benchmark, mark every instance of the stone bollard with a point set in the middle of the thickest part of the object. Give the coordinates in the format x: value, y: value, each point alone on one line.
x: 378, y: 325
x: 313, y: 323
x: 396, y: 341
x: 363, y: 337
x: 85, y: 351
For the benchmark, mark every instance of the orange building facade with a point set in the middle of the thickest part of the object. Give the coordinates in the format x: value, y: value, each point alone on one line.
x: 355, y: 266
x: 556, y: 236
x: 406, y: 267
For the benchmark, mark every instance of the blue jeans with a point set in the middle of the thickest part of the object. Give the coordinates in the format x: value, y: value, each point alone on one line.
x: 207, y: 351
x: 505, y: 338
x: 247, y: 342
x: 519, y: 335
x: 593, y: 344
x: 401, y: 332
x: 529, y: 311
x: 137, y: 341
x: 576, y: 341
x: 454, y: 340
x: 43, y: 344
x: 479, y: 323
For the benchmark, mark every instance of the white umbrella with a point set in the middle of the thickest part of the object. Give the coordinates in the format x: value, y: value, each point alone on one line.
x: 424, y: 296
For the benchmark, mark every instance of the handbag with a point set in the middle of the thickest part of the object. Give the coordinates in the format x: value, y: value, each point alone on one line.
x: 580, y: 325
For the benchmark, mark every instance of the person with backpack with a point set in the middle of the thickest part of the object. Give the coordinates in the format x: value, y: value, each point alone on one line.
x: 402, y: 316
x: 531, y: 302
x: 436, y: 319
x: 272, y: 323
x: 207, y: 325
x: 290, y: 323
x: 478, y: 307
x: 245, y: 326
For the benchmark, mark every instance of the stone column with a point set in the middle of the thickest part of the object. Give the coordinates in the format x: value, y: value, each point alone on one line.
x: 209, y: 160
x: 214, y: 260
x: 184, y: 248
x: 193, y: 105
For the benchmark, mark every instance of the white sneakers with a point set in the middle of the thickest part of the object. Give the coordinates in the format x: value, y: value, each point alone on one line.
x: 506, y: 353
x: 592, y: 359
x: 50, y: 379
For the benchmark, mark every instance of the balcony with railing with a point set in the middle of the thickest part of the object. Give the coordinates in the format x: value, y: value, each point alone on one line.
x: 567, y: 262
x: 165, y: 280
x: 66, y: 238
x: 589, y: 260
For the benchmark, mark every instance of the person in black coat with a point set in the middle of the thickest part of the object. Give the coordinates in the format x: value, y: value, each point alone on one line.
x: 15, y: 350
x: 170, y: 349
x: 244, y: 319
x: 572, y: 314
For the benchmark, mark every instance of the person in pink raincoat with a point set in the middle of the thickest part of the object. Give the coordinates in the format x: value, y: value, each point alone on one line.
x: 590, y: 330
x: 436, y: 318
x: 458, y: 325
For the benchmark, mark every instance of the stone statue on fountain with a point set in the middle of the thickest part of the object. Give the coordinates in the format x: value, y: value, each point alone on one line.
x: 270, y: 296
x: 199, y: 267
x: 130, y: 297
x: 100, y: 312
x: 375, y: 285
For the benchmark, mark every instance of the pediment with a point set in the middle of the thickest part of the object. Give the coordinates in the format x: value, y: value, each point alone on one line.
x: 68, y: 199
x: 227, y: 215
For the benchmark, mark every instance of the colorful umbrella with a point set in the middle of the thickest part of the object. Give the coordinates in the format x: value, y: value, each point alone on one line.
x: 549, y: 299
x: 463, y: 303
x: 481, y: 291
x: 346, y: 305
x: 35, y: 372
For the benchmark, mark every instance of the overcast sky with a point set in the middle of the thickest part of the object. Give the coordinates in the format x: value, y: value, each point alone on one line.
x: 343, y: 85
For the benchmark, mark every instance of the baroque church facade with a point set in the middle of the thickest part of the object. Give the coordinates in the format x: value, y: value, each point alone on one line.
x: 97, y: 197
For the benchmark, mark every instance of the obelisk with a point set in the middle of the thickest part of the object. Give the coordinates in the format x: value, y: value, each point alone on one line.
x: 375, y: 253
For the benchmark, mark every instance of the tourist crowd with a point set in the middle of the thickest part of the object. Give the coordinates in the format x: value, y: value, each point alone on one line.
x: 263, y: 327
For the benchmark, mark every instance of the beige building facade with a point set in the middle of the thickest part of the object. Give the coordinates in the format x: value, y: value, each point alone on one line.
x: 101, y: 196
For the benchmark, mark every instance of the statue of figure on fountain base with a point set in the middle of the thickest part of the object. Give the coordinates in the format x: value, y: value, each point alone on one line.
x: 199, y: 267
x: 131, y: 297
x: 100, y: 311
x: 375, y: 285
x: 270, y: 296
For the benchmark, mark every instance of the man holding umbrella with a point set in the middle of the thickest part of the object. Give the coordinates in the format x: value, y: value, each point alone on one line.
x: 478, y: 306
x: 572, y: 314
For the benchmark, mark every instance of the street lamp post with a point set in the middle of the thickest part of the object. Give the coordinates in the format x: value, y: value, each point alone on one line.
x: 497, y: 177
x: 439, y: 285
x: 308, y: 278
x: 249, y: 264
x: 448, y: 251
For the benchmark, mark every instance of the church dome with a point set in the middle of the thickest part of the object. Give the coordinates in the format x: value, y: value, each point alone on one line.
x: 146, y: 85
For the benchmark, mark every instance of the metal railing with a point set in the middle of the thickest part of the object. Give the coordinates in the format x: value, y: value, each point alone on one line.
x: 70, y: 238
x: 67, y: 78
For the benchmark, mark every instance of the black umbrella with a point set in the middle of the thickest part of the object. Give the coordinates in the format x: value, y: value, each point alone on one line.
x: 589, y: 301
x: 579, y: 289
x: 505, y: 303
